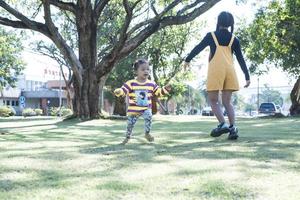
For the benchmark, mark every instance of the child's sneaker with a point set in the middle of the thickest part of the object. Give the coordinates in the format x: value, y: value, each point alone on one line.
x: 149, y: 137
x: 125, y: 140
x: 233, y: 133
x: 221, y: 129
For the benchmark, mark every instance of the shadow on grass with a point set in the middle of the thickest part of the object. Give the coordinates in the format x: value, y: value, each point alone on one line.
x: 43, y: 179
x: 189, y: 140
x: 214, y: 150
x: 179, y: 140
x: 176, y: 141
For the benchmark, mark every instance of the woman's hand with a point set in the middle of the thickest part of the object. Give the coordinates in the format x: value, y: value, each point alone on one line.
x: 186, y: 66
x: 247, y: 83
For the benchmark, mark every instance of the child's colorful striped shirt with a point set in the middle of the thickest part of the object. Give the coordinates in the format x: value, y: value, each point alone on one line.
x: 140, y: 95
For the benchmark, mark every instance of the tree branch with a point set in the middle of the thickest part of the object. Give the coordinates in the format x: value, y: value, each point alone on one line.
x: 24, y: 21
x: 114, y: 54
x: 99, y: 6
x: 140, y: 25
x: 157, y: 17
x: 64, y: 5
x: 126, y: 24
x: 61, y: 43
x: 168, y: 8
x: 153, y: 9
x: 13, y: 23
x: 187, y: 7
x: 157, y: 23
x: 182, y: 19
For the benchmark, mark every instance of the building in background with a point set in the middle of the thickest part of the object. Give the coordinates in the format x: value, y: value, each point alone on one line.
x: 41, y: 90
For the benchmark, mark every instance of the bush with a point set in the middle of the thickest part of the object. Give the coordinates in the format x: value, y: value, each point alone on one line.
x: 12, y: 111
x: 38, y: 111
x: 66, y: 112
x: 54, y: 111
x: 28, y: 112
x: 5, y: 111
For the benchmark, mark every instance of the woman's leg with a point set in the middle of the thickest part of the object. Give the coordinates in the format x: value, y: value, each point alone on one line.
x: 215, y: 105
x: 226, y: 100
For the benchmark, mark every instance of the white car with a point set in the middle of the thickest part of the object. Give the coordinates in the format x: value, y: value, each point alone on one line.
x: 207, y: 111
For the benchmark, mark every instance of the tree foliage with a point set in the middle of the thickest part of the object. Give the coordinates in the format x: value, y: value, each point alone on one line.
x: 164, y: 50
x: 11, y: 63
x: 274, y: 38
x: 270, y: 95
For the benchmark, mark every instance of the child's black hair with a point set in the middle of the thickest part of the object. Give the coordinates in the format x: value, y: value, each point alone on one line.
x: 139, y: 62
x: 225, y: 19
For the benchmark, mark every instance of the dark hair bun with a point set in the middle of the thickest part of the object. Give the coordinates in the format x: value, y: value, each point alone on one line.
x: 225, y: 19
x: 139, y: 62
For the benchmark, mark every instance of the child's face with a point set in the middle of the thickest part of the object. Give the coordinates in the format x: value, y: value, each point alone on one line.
x: 143, y: 71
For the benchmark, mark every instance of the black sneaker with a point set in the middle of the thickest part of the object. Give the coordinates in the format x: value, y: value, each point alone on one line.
x: 233, y: 133
x: 221, y: 129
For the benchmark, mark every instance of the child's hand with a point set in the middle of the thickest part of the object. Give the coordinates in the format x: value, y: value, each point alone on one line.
x: 247, y: 84
x: 118, y: 92
x: 186, y: 66
x: 168, y: 87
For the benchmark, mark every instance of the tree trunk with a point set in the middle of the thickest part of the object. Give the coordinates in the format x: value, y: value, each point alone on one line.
x: 69, y: 98
x: 101, y: 88
x: 86, y: 96
x: 120, y: 106
x: 295, y: 98
x: 165, y: 107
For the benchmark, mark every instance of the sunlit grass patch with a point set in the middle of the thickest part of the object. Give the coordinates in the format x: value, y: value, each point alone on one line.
x: 52, y: 159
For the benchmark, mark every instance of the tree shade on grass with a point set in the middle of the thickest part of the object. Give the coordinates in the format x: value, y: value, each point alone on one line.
x: 44, y: 158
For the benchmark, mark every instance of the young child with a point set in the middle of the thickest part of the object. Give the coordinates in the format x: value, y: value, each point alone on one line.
x: 221, y: 74
x: 140, y: 90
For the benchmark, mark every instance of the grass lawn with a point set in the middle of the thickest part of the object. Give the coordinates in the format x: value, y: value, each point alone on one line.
x: 42, y: 158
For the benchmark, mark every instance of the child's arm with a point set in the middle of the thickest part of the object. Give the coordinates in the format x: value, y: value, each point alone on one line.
x: 158, y: 91
x: 124, y: 90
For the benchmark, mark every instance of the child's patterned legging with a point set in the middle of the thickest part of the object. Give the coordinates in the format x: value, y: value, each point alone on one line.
x: 147, y: 115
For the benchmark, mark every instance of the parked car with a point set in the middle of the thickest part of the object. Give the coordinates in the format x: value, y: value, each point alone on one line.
x: 207, y: 111
x: 269, y: 108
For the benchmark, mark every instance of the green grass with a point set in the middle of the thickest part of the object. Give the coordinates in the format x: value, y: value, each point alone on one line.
x: 45, y: 158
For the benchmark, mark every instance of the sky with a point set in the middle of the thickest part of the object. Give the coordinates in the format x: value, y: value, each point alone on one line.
x: 37, y: 64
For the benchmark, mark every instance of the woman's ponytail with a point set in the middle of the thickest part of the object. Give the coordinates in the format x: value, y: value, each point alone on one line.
x: 217, y: 28
x: 231, y: 22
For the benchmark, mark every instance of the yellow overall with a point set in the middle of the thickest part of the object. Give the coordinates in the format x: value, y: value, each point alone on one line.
x: 221, y: 74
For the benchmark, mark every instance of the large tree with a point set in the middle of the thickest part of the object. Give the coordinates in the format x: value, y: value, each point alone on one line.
x: 165, y: 51
x: 127, y: 24
x: 273, y: 38
x: 11, y: 63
